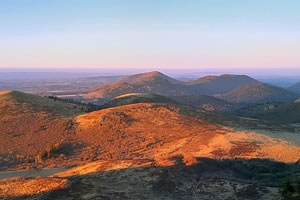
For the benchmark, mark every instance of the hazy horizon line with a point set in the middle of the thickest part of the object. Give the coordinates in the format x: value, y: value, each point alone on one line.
x: 261, y: 72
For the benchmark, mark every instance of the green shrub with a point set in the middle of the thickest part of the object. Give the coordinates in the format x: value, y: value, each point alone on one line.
x: 290, y: 191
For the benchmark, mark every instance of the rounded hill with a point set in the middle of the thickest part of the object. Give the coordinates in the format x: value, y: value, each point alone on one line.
x: 259, y: 93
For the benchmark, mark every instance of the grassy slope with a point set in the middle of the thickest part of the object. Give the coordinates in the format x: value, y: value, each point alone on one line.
x: 222, y: 84
x: 31, y: 123
x: 205, y: 102
x: 37, y: 103
x: 133, y: 98
x: 280, y: 113
x: 259, y: 93
x: 161, y: 131
x: 145, y: 141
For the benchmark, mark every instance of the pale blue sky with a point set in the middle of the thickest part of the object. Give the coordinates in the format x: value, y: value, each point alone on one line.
x: 143, y: 34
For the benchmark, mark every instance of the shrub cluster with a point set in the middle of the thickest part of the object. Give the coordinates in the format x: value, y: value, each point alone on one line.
x: 49, y: 152
x: 290, y: 191
x: 84, y: 107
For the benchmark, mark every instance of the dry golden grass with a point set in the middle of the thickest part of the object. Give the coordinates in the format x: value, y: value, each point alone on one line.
x: 29, y: 124
x: 161, y: 132
x: 14, y: 99
x: 15, y: 187
x: 124, y: 137
x: 138, y: 131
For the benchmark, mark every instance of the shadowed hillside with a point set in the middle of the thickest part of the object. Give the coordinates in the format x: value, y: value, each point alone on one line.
x: 205, y: 102
x: 139, y: 179
x: 222, y: 84
x: 259, y: 93
x: 295, y: 88
x: 133, y: 98
x: 281, y: 113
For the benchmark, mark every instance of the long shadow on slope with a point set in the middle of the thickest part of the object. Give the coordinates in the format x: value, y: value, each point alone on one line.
x: 208, y: 179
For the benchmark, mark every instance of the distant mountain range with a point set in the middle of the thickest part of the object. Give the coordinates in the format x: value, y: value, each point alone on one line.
x: 239, y: 89
x: 158, y: 83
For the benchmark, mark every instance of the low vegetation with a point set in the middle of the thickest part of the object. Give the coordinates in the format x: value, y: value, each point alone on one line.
x: 281, y: 113
x: 58, y: 149
x: 25, y: 187
x: 84, y: 107
x: 290, y: 190
x: 152, y: 150
x: 259, y: 93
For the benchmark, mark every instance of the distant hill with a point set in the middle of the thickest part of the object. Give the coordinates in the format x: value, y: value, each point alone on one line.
x: 222, y: 84
x: 295, y: 88
x: 258, y: 93
x: 205, y: 102
x: 133, y: 98
x: 151, y: 82
x: 281, y: 113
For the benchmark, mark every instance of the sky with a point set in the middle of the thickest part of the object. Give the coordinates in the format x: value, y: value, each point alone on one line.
x: 160, y: 34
